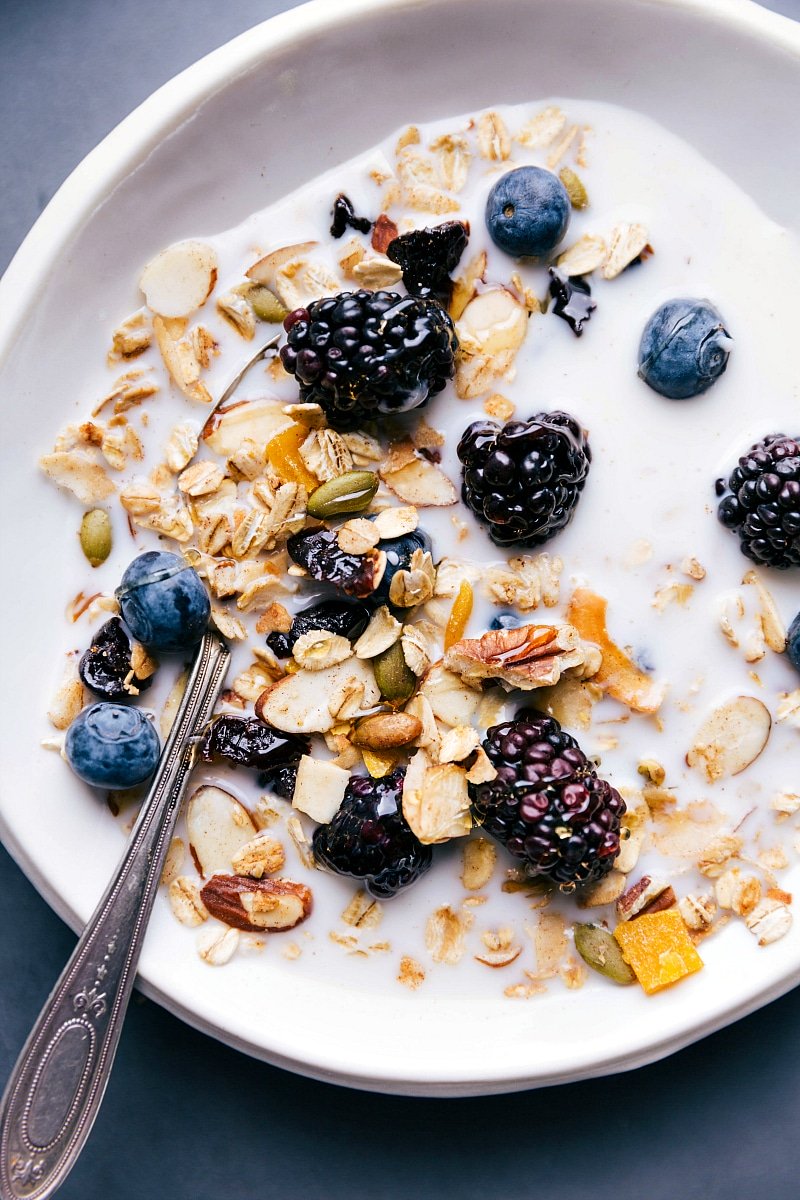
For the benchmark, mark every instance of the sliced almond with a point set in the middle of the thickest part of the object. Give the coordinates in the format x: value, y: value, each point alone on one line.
x: 271, y: 905
x: 311, y: 702
x: 319, y: 789
x: 421, y: 483
x: 626, y: 243
x: 436, y: 801
x: 179, y: 279
x: 587, y: 254
x: 731, y: 738
x: 218, y: 826
x: 451, y: 701
x: 256, y: 420
x: 266, y: 269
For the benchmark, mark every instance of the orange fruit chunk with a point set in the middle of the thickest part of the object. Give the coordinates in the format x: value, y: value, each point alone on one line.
x: 459, y: 615
x: 283, y: 452
x: 618, y: 674
x: 658, y: 948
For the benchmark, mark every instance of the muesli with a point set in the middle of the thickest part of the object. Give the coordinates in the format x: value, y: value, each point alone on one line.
x: 489, y: 633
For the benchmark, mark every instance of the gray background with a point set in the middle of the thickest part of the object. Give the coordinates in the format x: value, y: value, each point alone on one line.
x: 188, y: 1119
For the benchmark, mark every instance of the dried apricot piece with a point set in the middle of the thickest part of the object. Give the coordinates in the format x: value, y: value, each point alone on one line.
x: 658, y: 947
x: 618, y: 674
x: 460, y: 613
x: 283, y: 452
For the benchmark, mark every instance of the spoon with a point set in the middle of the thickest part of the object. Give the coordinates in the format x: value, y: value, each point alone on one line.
x: 57, y: 1085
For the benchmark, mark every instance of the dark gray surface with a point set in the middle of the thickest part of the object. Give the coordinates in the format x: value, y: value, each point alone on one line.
x: 187, y: 1119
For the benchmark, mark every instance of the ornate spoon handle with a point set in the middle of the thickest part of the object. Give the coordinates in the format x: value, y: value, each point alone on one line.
x: 57, y: 1085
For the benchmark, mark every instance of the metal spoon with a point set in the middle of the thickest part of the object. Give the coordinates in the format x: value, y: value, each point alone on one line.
x: 57, y: 1085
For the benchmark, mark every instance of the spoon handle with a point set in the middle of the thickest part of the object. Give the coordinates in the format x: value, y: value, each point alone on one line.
x: 57, y: 1085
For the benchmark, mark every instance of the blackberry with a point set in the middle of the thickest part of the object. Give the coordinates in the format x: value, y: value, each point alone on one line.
x: 280, y: 780
x: 763, y: 503
x: 524, y: 479
x: 250, y: 742
x: 360, y: 355
x: 547, y: 805
x: 369, y: 839
x: 427, y: 256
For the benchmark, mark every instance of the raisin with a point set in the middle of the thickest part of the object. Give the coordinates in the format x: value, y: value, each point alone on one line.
x: 427, y: 256
x: 349, y: 618
x: 318, y: 551
x: 250, y: 742
x: 344, y: 215
x: 571, y: 299
x: 106, y: 667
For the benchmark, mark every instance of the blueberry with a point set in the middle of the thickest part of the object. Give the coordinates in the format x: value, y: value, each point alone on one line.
x: 163, y: 601
x: 398, y: 556
x: 112, y: 746
x: 527, y: 212
x: 504, y: 621
x: 684, y: 348
x: 793, y: 643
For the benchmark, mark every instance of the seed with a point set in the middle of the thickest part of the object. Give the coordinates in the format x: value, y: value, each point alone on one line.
x: 601, y: 952
x: 265, y: 304
x: 578, y: 196
x: 393, y: 675
x: 348, y: 493
x: 96, y: 536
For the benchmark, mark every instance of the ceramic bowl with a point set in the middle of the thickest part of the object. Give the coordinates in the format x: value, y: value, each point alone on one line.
x: 255, y: 119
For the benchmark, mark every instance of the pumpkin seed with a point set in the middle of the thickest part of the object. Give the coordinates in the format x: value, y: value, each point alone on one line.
x: 393, y: 676
x: 578, y: 196
x: 95, y: 536
x: 347, y: 493
x: 264, y: 303
x: 599, y: 950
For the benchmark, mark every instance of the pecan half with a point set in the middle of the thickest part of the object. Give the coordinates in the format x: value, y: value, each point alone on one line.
x: 530, y: 656
x: 257, y: 905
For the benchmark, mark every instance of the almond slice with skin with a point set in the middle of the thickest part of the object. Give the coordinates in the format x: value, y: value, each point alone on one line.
x: 312, y: 702
x: 218, y: 826
x: 731, y: 738
x: 179, y: 279
x: 257, y: 905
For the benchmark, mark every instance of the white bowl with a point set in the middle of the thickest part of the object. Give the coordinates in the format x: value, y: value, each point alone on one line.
x: 243, y: 126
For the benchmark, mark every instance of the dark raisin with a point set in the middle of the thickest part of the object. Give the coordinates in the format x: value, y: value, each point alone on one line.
x: 571, y: 299
x: 250, y: 742
x: 344, y: 214
x: 318, y: 551
x: 427, y: 256
x: 106, y: 667
x: 349, y: 618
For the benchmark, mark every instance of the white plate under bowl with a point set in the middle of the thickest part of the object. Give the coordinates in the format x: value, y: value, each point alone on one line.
x: 253, y: 120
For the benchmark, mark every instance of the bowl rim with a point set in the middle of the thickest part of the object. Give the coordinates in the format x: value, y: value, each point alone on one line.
x: 91, y: 182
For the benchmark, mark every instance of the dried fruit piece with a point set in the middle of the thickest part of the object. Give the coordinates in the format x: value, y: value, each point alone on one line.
x: 618, y: 675
x: 344, y: 216
x: 319, y: 553
x: 283, y: 452
x: 114, y: 668
x: 599, y: 950
x: 460, y: 614
x: 576, y: 191
x: 250, y: 742
x: 731, y: 738
x: 572, y: 299
x: 95, y: 536
x: 257, y: 905
x: 659, y: 949
x: 348, y: 493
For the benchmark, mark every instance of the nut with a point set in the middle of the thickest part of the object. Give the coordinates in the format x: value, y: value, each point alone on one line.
x: 731, y: 738
x: 257, y: 905
x: 599, y: 950
x: 218, y: 827
x: 393, y: 676
x: 530, y: 656
x: 642, y: 896
x: 385, y: 731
